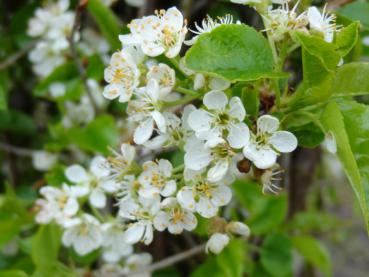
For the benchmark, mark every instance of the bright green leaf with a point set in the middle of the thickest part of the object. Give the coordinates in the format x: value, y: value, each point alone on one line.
x: 231, y: 259
x: 309, y: 135
x: 107, y: 21
x: 357, y: 11
x: 235, y: 52
x: 13, y: 273
x: 276, y: 254
x: 313, y: 252
x: 352, y: 79
x: 351, y: 132
x: 16, y: 122
x: 347, y: 38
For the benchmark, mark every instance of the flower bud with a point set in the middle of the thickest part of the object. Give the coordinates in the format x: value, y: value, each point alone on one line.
x: 216, y: 243
x: 238, y: 228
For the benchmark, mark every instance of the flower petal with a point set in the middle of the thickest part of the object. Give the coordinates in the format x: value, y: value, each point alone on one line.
x: 215, y: 100
x: 218, y: 171
x: 236, y: 108
x: 76, y: 174
x: 238, y: 135
x: 200, y: 120
x: 97, y: 198
x: 262, y: 158
x: 283, y: 141
x: 267, y: 124
x: 98, y: 167
x: 144, y: 131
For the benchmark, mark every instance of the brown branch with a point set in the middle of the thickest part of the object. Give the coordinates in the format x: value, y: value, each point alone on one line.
x: 81, y: 69
x: 171, y: 260
x: 16, y: 150
x: 15, y: 57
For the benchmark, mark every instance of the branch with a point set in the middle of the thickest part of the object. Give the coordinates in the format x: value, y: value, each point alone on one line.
x: 15, y: 149
x: 171, y: 260
x: 82, y: 71
x: 15, y: 57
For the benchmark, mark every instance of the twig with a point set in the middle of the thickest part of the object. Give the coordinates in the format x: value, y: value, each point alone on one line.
x: 16, y: 150
x: 171, y: 260
x: 82, y: 71
x: 15, y: 57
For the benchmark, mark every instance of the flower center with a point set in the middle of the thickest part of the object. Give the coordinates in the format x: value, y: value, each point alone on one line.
x: 177, y: 215
x: 204, y: 189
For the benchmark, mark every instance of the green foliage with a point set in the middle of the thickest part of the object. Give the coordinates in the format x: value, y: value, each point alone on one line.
x: 347, y: 38
x: 276, y: 255
x: 13, y: 273
x: 309, y: 135
x: 267, y: 213
x: 107, y: 21
x: 348, y: 124
x: 4, y: 86
x: 229, y: 263
x: 352, y: 79
x: 15, y: 122
x: 357, y: 10
x: 313, y: 252
x: 229, y: 51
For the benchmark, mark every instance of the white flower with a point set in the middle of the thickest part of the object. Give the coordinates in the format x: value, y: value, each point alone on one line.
x: 121, y: 164
x: 207, y: 25
x: 57, y: 89
x: 136, y: 3
x: 251, y: 2
x: 269, y: 177
x: 142, y: 229
x: 43, y: 160
x: 156, y: 179
x: 198, y: 156
x: 137, y: 263
x: 177, y: 130
x: 221, y: 120
x: 58, y: 204
x: 78, y: 113
x: 322, y: 23
x: 163, y: 33
x: 238, y: 228
x: 114, y: 246
x: 216, y: 243
x: 95, y: 181
x: 174, y: 217
x: 83, y: 234
x: 145, y: 110
x: 122, y: 75
x: 164, y: 75
x: 282, y: 20
x: 265, y: 146
x: 203, y: 196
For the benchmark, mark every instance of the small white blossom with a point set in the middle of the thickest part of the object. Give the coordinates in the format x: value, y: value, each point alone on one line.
x: 177, y: 130
x: 203, y: 196
x: 121, y: 164
x: 137, y: 263
x: 142, y: 229
x: 216, y: 243
x: 145, y: 110
x: 207, y: 25
x: 156, y: 179
x: 163, y: 33
x: 95, y: 181
x: 322, y: 23
x: 57, y: 89
x: 83, y: 234
x: 221, y: 120
x: 43, y: 160
x: 114, y: 246
x: 174, y: 217
x: 198, y: 156
x: 164, y: 75
x: 58, y: 204
x: 264, y: 147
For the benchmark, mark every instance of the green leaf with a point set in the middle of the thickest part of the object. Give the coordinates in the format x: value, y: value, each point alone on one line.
x: 235, y: 52
x: 357, y: 11
x: 95, y: 68
x: 267, y: 212
x: 351, y: 132
x: 352, y: 79
x: 45, y: 245
x: 314, y: 253
x: 309, y: 135
x: 16, y: 122
x: 13, y: 273
x: 346, y: 38
x: 276, y: 255
x: 209, y: 268
x: 231, y: 259
x: 107, y: 21
x: 320, y: 49
x: 62, y: 73
x: 4, y: 87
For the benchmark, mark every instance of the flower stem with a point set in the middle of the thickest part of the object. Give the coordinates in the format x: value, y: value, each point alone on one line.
x: 185, y: 91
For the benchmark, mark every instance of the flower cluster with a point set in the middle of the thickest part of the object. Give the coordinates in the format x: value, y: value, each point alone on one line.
x: 214, y: 136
